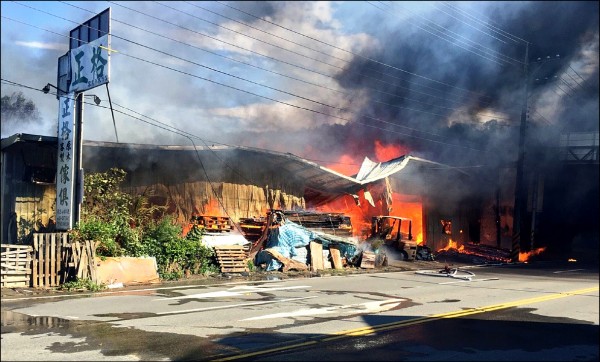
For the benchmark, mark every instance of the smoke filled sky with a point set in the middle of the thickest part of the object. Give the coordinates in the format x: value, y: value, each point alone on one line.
x: 328, y: 81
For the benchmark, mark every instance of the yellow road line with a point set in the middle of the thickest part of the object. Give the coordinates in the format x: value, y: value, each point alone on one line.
x: 387, y: 326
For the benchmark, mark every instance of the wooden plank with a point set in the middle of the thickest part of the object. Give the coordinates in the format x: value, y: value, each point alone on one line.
x: 92, y: 260
x: 336, y: 257
x: 46, y: 261
x: 287, y: 263
x: 15, y: 246
x: 82, y: 267
x: 35, y: 262
x: 52, y: 270
x: 316, y: 256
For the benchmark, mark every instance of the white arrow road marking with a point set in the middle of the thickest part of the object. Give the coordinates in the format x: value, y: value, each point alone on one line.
x: 234, y: 292
x: 368, y: 307
x: 234, y: 305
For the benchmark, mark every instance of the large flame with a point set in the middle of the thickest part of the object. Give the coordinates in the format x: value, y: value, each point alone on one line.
x: 409, y: 206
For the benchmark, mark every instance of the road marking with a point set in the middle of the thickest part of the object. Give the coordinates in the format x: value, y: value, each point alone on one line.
x: 234, y: 305
x: 387, y: 326
x: 368, y: 307
x: 233, y: 292
x: 567, y: 271
x: 469, y: 281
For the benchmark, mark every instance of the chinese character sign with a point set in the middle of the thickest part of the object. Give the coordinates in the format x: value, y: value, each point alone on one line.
x: 65, y: 163
x: 90, y: 65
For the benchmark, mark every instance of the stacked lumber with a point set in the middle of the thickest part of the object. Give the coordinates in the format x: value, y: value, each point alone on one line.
x: 213, y: 223
x: 252, y: 228
x: 330, y: 223
x: 233, y: 259
x: 16, y: 265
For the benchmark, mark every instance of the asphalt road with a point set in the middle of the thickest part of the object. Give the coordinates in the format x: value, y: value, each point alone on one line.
x: 508, y: 312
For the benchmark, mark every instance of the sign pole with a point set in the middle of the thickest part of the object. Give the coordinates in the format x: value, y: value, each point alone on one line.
x: 78, y: 195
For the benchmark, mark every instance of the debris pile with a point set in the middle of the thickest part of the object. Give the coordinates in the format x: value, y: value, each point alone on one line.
x: 474, y: 253
x: 287, y: 245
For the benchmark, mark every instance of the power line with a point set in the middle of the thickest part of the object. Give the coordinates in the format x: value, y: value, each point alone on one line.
x: 348, y: 51
x: 438, y: 36
x: 239, y: 33
x: 266, y: 86
x: 469, y: 40
x: 264, y: 97
x: 165, y: 127
x: 285, y: 75
x: 294, y: 65
x: 464, y: 22
x: 495, y: 29
x: 574, y: 71
x: 304, y: 46
x: 260, y: 84
x: 288, y: 63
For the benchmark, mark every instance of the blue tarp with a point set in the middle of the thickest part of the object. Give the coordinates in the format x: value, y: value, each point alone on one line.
x: 290, y: 236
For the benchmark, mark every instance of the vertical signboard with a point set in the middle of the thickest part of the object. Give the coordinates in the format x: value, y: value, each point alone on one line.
x: 85, y: 66
x: 66, y: 162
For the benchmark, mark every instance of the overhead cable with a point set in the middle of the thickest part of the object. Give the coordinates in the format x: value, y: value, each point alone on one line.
x: 347, y: 51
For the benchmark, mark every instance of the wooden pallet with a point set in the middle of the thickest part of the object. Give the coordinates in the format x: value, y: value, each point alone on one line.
x: 213, y: 223
x: 16, y: 265
x: 233, y: 259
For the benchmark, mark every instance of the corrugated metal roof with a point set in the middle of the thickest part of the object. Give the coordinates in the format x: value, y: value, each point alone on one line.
x: 320, y: 183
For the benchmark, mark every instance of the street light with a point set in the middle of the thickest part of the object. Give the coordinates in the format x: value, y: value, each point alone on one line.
x: 46, y: 90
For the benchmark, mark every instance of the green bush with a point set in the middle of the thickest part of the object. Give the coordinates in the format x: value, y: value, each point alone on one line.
x: 82, y: 285
x: 102, y: 232
x: 174, y: 253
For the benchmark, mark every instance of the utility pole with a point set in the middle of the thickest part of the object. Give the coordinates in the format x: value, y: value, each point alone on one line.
x: 520, y: 197
x: 518, y: 208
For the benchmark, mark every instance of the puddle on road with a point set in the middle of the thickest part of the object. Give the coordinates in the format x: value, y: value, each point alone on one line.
x: 111, y: 340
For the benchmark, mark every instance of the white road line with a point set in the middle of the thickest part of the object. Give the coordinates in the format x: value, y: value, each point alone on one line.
x: 470, y: 281
x: 567, y: 271
x: 234, y: 305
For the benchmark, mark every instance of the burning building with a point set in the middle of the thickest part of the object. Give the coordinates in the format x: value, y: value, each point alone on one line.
x: 237, y: 182
x: 244, y: 183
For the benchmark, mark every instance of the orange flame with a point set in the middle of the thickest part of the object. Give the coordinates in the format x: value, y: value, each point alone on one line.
x: 524, y: 256
x: 452, y: 245
x: 402, y: 205
x: 212, y: 208
x: 346, y: 165
x: 409, y: 206
x: 388, y: 152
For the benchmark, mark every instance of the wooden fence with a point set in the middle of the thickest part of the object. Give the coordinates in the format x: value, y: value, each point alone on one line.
x: 52, y: 260
x: 49, y: 259
x: 16, y: 265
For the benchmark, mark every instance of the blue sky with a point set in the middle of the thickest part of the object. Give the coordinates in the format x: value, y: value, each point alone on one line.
x: 317, y: 79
